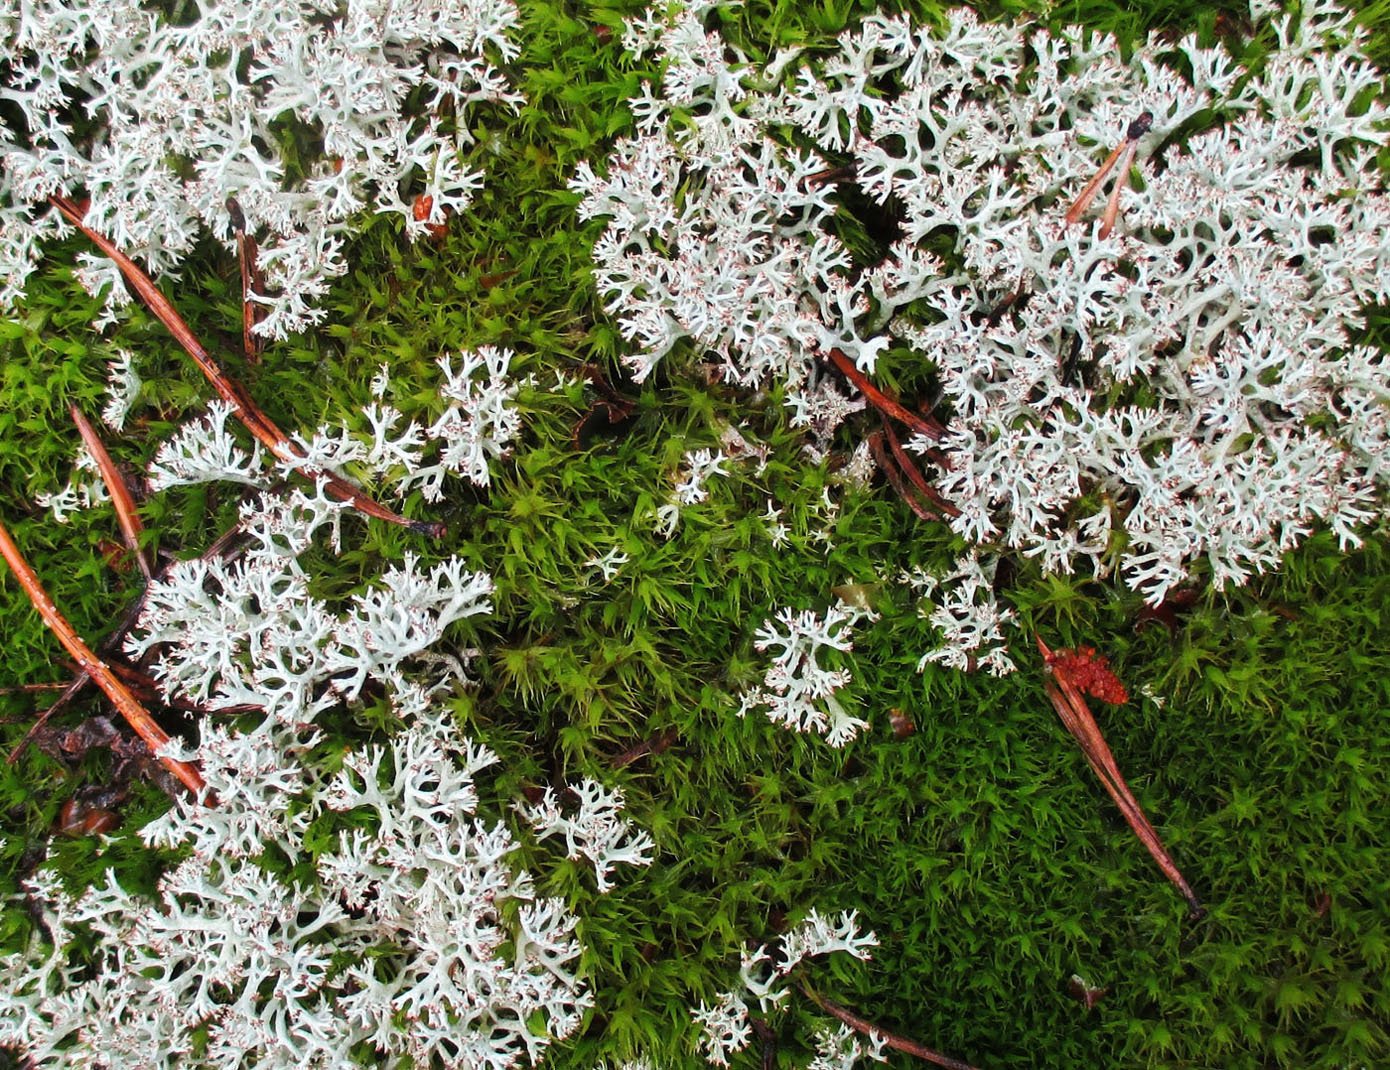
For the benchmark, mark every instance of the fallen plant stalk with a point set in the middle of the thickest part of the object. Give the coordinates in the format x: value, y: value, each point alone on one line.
x: 70, y: 691
x: 892, y: 1040
x: 126, y: 516
x: 1076, y: 716
x: 232, y: 392
x: 1123, y: 153
x: 895, y: 479
x: 914, y: 476
x: 881, y: 401
x: 657, y: 744
x: 127, y: 705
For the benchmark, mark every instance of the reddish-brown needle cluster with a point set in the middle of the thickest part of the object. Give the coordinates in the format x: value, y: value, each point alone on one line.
x: 1123, y: 154
x: 247, y: 411
x: 129, y: 707
x: 107, y: 674
x: 1072, y: 674
x: 892, y: 459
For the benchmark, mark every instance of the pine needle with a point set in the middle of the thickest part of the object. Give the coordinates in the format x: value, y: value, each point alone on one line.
x: 126, y: 703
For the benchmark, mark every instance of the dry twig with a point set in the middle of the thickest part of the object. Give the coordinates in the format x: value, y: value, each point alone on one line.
x: 251, y: 281
x: 126, y: 516
x: 112, y: 642
x: 892, y: 1040
x: 134, y: 713
x: 881, y: 401
x: 655, y: 745
x: 232, y: 392
x: 1124, y: 154
x: 914, y: 476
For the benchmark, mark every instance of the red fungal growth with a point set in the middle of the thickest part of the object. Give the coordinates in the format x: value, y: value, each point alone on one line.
x: 1088, y: 673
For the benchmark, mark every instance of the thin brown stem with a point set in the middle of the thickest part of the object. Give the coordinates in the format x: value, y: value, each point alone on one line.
x: 881, y: 401
x: 251, y: 281
x: 1088, y: 194
x: 1078, y: 720
x: 1112, y: 206
x: 890, y: 472
x: 914, y: 476
x: 1125, y: 149
x: 112, y: 642
x: 655, y: 745
x: 842, y: 173
x: 232, y: 392
x: 135, y: 714
x: 896, y: 1041
x: 70, y: 691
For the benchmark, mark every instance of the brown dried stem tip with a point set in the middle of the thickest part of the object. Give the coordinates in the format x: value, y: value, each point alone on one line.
x: 892, y: 1040
x: 915, y: 477
x: 1126, y: 149
x: 126, y: 516
x: 232, y: 392
x: 251, y: 281
x: 657, y: 744
x: 911, y: 485
x: 1071, y: 673
x: 906, y: 490
x: 135, y: 714
x: 219, y: 549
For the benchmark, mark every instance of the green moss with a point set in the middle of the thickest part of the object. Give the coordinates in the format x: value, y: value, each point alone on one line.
x: 980, y: 848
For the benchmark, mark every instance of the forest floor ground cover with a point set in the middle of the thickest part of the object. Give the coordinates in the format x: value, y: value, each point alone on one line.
x: 978, y: 845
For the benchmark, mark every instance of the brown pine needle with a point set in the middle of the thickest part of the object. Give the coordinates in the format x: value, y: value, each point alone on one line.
x: 250, y: 282
x: 914, y: 476
x: 1112, y: 206
x: 260, y: 425
x: 895, y: 478
x: 881, y: 401
x: 1087, y: 195
x: 70, y: 691
x: 250, y: 312
x: 893, y: 1040
x: 126, y: 704
x: 1076, y: 716
x: 1125, y: 148
x: 655, y: 745
x: 220, y: 548
x: 126, y: 517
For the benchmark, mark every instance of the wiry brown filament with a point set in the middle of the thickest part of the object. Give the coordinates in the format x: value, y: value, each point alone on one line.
x: 1123, y: 154
x: 126, y: 517
x: 892, y: 1040
x: 881, y: 401
x: 251, y: 281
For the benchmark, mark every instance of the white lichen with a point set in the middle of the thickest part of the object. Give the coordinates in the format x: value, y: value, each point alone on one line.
x: 797, y: 691
x: 1185, y: 392
x: 159, y: 122
x: 594, y: 831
